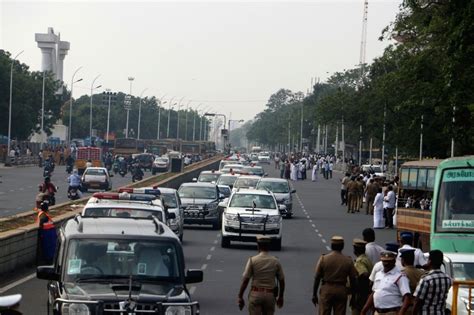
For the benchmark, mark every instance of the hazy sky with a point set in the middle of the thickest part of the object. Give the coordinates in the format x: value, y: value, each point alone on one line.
x: 230, y: 55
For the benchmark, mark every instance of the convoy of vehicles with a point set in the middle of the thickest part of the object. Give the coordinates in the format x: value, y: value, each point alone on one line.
x: 281, y: 190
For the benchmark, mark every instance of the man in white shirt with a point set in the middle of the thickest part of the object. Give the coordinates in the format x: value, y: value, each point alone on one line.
x: 391, y: 201
x: 391, y: 247
x: 406, y: 240
x: 391, y: 289
x: 372, y: 250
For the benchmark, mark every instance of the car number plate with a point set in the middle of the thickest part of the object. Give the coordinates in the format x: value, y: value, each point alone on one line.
x: 253, y: 227
x: 94, y: 185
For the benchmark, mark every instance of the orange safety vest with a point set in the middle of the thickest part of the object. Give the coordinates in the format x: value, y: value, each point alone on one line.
x: 48, y: 225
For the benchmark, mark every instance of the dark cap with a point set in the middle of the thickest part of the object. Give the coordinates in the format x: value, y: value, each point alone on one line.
x: 406, y: 236
x: 387, y: 255
x: 263, y: 239
x: 357, y: 242
x: 392, y: 247
x: 336, y: 239
x: 406, y: 252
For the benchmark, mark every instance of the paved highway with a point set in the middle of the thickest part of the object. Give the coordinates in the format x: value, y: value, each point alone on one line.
x: 20, y: 185
x: 318, y: 216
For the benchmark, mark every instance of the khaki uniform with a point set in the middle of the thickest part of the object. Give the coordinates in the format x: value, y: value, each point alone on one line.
x: 363, y: 265
x: 334, y: 269
x: 263, y: 269
x: 352, y: 196
x: 370, y: 197
x: 414, y: 275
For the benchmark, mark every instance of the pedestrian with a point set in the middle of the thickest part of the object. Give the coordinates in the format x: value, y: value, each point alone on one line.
x: 432, y: 290
x: 314, y: 174
x: 331, y: 166
x: 413, y: 274
x: 352, y: 190
x: 326, y: 170
x: 46, y: 236
x: 264, y: 270
x: 370, y: 193
x: 282, y: 169
x: 363, y: 266
x: 277, y: 162
x: 40, y: 158
x: 372, y: 250
x: 391, y: 203
x: 378, y: 210
x: 360, y: 193
x: 332, y: 271
x: 391, y: 290
x: 344, y: 182
x: 406, y: 241
x: 288, y: 170
x: 294, y: 171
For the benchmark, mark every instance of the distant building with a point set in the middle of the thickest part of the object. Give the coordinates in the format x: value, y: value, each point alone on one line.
x: 53, y: 51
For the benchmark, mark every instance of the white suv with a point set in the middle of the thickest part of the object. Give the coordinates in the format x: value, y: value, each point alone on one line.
x: 250, y: 212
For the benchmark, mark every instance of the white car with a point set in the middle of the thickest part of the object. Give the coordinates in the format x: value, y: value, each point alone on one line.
x: 249, y: 213
x: 96, y: 178
x: 161, y: 164
x: 246, y: 181
x: 264, y: 158
x: 171, y: 200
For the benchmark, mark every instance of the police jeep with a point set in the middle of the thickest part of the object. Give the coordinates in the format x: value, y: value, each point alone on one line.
x: 118, y: 266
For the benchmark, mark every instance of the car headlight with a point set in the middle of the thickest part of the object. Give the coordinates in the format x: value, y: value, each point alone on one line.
x: 178, y: 310
x: 231, y: 217
x: 274, y: 219
x: 74, y: 309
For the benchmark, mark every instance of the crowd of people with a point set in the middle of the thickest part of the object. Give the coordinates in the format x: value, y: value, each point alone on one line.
x: 295, y: 167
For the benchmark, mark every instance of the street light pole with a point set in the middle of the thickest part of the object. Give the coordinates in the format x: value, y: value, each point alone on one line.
x: 194, y: 121
x: 169, y: 114
x: 159, y: 117
x: 90, y: 109
x: 140, y: 113
x: 452, y: 132
x: 186, y: 125
x: 109, y: 94
x: 70, y: 104
x: 42, y: 109
x: 129, y: 106
x: 10, y: 106
x: 177, y: 120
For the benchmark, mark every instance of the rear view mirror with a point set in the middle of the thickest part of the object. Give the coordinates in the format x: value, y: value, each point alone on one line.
x: 194, y: 276
x: 47, y: 273
x: 222, y: 204
x: 281, y: 208
x: 195, y: 179
x: 293, y: 191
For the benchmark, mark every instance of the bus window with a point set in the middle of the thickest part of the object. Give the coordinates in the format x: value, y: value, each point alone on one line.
x: 431, y: 179
x: 421, y: 184
x: 404, y: 177
x: 412, y: 177
x: 455, y: 209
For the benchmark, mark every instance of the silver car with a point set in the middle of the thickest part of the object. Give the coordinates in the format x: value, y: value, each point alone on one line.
x: 282, y: 191
x: 171, y: 199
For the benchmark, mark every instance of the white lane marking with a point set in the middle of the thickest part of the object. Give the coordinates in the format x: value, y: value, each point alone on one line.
x: 310, y: 221
x: 218, y: 234
x: 22, y: 189
x: 209, y: 257
x: 323, y: 240
x: 19, y: 208
x: 328, y: 248
x: 317, y: 231
x: 2, y: 192
x: 320, y: 235
x: 307, y: 216
x: 17, y: 283
x: 213, y: 248
x: 192, y: 290
x: 30, y: 186
x: 203, y: 267
x: 11, y: 190
x: 215, y: 242
x: 313, y: 226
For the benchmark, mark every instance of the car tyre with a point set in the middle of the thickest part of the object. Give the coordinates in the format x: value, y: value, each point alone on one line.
x: 225, y: 242
x: 276, y: 244
x: 289, y: 215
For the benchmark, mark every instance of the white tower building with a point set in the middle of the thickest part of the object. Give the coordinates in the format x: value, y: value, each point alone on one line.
x: 53, y: 52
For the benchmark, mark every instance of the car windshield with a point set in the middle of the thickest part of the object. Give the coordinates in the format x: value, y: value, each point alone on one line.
x: 227, y: 180
x: 463, y: 270
x: 275, y: 187
x: 123, y: 212
x: 95, y: 172
x: 230, y: 168
x: 208, y: 178
x: 197, y: 192
x: 254, y: 170
x: 246, y: 182
x: 251, y: 200
x: 170, y: 200
x: 455, y: 208
x: 120, y: 258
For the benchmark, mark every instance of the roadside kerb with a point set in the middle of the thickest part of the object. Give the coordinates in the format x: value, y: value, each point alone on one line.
x: 18, y: 246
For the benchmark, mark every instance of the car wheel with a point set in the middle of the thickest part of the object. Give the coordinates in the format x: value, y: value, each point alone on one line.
x: 276, y: 244
x: 289, y: 215
x: 225, y: 242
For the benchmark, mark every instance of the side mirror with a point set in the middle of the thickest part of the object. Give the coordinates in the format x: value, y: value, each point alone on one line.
x: 194, y: 276
x: 265, y: 174
x: 221, y: 196
x: 171, y: 215
x: 293, y: 191
x: 195, y: 179
x: 222, y: 204
x: 47, y: 273
x: 281, y: 208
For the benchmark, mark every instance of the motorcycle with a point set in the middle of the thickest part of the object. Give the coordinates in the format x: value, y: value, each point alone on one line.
x: 69, y: 168
x: 123, y: 172
x: 74, y: 193
x: 9, y: 303
x: 137, y: 174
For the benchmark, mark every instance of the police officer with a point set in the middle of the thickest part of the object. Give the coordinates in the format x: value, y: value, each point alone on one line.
x: 391, y: 289
x: 332, y: 270
x: 413, y: 274
x: 46, y: 235
x: 263, y: 269
x: 364, y: 266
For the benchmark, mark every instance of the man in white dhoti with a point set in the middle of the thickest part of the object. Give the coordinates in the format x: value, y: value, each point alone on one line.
x: 314, y: 175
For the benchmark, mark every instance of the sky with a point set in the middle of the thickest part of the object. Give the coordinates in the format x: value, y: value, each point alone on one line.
x: 228, y: 55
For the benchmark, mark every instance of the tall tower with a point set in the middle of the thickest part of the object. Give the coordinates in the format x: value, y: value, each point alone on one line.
x: 363, y: 41
x: 53, y: 52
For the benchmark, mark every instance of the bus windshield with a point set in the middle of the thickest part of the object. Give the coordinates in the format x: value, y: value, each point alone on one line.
x: 455, y: 208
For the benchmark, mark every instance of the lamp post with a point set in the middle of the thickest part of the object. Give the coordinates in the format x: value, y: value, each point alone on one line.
x: 186, y: 125
x: 194, y: 121
x: 225, y: 121
x: 236, y: 120
x: 70, y: 103
x: 129, y: 106
x: 90, y: 110
x: 201, y: 133
x: 109, y: 101
x: 177, y: 120
x: 10, y: 106
x: 159, y: 117
x: 169, y: 114
x: 140, y: 112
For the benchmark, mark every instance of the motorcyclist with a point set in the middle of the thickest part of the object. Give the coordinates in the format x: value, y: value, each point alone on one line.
x: 123, y: 165
x: 74, y: 181
x: 108, y: 162
x: 69, y: 164
x: 88, y: 163
x: 137, y: 171
x: 48, y: 188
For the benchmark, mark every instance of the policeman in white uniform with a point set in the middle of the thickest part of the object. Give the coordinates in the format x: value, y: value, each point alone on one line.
x: 391, y: 289
x: 406, y: 239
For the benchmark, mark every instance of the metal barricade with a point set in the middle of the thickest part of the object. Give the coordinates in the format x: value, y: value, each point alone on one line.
x: 469, y: 284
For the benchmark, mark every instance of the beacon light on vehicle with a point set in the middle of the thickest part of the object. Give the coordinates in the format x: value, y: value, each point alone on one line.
x: 150, y: 191
x: 125, y: 196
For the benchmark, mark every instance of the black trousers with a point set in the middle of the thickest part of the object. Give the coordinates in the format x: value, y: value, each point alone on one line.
x: 389, y: 217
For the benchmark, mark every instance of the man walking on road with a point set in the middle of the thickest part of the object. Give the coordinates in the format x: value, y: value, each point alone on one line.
x: 371, y: 191
x: 391, y: 200
x: 264, y: 270
x: 372, y: 250
x: 364, y: 266
x: 332, y: 270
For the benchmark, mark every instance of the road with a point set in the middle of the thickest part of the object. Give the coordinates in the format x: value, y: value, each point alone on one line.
x: 318, y: 216
x: 19, y: 186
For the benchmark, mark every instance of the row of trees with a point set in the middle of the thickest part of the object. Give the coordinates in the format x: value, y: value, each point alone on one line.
x: 427, y: 76
x: 27, y: 104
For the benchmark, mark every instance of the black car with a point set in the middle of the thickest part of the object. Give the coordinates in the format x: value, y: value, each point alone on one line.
x: 118, y: 266
x: 145, y: 160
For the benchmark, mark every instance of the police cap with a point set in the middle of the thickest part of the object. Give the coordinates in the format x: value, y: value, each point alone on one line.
x: 392, y: 247
x: 387, y: 255
x: 406, y: 236
x: 336, y: 239
x: 407, y: 252
x: 263, y: 239
x: 357, y: 242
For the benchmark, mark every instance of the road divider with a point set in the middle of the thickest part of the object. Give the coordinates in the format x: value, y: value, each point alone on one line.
x: 19, y: 233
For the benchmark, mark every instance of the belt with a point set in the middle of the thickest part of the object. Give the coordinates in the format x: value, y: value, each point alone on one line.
x: 386, y: 310
x: 334, y: 282
x: 259, y: 289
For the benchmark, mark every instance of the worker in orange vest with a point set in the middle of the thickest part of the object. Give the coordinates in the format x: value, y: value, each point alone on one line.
x: 46, y: 235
